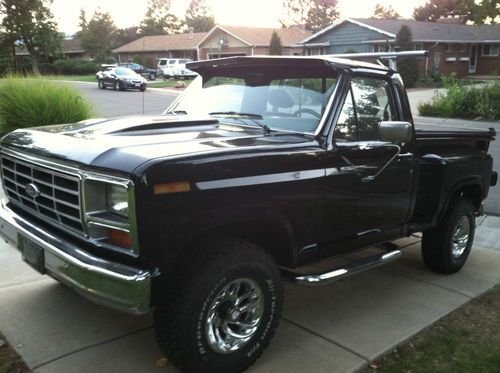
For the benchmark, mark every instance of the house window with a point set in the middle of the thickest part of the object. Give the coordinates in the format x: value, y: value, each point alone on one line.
x: 490, y: 50
x: 449, y: 47
x: 463, y: 47
x: 315, y: 51
x: 419, y: 46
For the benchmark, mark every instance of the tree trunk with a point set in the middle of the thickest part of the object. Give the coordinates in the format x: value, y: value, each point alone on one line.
x: 34, y: 64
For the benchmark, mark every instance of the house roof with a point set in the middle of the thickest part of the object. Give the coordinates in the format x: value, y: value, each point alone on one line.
x: 423, y: 31
x: 162, y: 43
x: 69, y: 46
x: 260, y: 36
x: 72, y: 46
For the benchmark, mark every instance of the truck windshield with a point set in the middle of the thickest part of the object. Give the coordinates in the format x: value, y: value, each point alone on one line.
x: 293, y: 101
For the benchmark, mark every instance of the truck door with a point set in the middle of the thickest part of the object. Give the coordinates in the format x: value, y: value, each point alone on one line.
x: 368, y: 182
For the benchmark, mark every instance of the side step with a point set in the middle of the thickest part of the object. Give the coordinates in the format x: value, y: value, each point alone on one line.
x: 343, y: 271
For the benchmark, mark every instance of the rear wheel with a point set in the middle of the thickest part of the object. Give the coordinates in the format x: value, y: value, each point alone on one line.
x: 152, y: 76
x: 223, y: 311
x: 445, y: 248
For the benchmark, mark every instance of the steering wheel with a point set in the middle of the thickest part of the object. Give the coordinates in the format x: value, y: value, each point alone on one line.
x: 307, y: 111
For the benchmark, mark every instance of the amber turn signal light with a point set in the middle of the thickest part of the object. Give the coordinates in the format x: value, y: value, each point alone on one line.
x: 119, y: 238
x: 178, y: 187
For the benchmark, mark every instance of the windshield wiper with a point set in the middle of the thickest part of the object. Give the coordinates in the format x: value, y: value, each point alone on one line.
x: 250, y: 116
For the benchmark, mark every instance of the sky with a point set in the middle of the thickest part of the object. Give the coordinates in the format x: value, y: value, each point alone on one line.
x: 258, y: 13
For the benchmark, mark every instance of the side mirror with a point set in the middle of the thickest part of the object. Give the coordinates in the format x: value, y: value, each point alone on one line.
x: 395, y: 132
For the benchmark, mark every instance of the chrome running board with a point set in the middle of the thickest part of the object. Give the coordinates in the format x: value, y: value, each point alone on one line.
x: 343, y: 271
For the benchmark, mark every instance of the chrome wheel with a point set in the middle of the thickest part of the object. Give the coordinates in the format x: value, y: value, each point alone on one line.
x: 234, y: 316
x: 460, y: 237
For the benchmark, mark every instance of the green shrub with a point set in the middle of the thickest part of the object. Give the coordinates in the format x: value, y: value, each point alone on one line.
x: 138, y: 59
x: 110, y: 60
x: 464, y: 102
x: 6, y: 65
x: 149, y: 63
x: 75, y: 67
x: 29, y: 102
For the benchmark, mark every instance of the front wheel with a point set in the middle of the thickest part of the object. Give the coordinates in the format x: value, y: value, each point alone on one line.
x: 152, y: 76
x: 224, y: 311
x: 445, y: 248
x: 100, y: 84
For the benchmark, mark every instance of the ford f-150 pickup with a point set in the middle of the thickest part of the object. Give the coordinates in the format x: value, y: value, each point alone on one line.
x: 262, y: 167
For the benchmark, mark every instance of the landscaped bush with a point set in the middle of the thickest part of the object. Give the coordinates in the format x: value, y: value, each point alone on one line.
x: 28, y: 102
x: 110, y: 60
x: 6, y: 65
x: 465, y: 102
x: 75, y: 67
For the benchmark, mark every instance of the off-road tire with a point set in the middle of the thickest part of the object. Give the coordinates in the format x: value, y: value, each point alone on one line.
x: 185, y: 298
x: 437, y: 243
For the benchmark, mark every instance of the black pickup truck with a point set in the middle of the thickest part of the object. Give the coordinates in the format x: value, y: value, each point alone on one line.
x: 262, y: 167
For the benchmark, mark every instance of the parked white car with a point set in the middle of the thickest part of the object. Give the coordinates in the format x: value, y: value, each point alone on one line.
x: 175, y: 68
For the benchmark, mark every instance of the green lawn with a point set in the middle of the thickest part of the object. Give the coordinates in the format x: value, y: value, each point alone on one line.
x: 467, y: 340
x: 74, y: 78
x: 158, y: 83
x: 169, y: 83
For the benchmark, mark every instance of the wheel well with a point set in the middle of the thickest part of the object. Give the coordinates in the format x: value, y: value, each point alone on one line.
x: 270, y: 236
x: 471, y: 192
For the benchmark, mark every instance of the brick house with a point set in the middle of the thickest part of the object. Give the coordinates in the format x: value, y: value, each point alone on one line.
x: 226, y: 41
x: 161, y: 46
x: 453, y: 48
x: 220, y: 41
x: 71, y: 48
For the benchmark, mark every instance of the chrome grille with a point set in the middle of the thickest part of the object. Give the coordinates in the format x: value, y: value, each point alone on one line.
x: 58, y: 196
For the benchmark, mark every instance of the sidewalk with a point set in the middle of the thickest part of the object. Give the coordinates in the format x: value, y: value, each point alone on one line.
x: 339, y: 327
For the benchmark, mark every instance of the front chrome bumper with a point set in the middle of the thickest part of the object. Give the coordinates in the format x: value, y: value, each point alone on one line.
x: 108, y: 283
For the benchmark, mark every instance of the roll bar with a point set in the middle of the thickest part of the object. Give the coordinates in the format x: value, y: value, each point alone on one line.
x: 391, y: 57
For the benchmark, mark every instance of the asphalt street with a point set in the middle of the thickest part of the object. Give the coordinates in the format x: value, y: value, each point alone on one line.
x: 110, y: 103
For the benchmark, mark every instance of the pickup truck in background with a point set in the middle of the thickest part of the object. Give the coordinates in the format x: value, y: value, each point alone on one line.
x: 261, y: 168
x: 175, y: 68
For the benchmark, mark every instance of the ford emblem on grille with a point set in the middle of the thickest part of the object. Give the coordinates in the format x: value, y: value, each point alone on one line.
x: 32, y: 190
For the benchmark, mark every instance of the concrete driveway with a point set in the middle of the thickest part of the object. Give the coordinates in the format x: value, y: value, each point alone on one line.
x: 335, y: 328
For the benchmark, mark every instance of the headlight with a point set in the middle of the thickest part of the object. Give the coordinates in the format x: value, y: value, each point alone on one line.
x: 117, y: 199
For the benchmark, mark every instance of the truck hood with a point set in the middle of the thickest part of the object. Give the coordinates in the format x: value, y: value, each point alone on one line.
x: 123, y: 144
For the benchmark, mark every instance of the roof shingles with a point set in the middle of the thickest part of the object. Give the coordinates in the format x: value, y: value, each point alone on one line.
x: 427, y: 31
x: 162, y: 43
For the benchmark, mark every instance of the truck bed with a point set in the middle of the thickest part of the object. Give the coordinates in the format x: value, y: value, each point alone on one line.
x: 446, y: 158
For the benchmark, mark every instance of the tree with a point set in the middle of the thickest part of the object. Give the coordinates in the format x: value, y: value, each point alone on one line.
x: 126, y: 35
x: 485, y: 11
x: 382, y: 12
x: 158, y: 19
x: 408, y: 68
x: 466, y: 10
x: 32, y: 25
x: 275, y: 46
x: 294, y: 12
x: 97, y: 38
x: 82, y: 22
x: 322, y: 13
x: 199, y: 17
